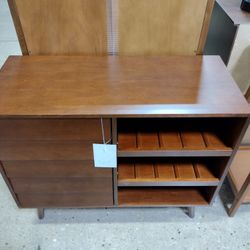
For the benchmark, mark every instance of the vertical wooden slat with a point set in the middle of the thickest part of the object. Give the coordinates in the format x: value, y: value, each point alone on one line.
x: 127, y: 140
x: 203, y: 172
x: 212, y: 140
x: 192, y: 140
x: 148, y: 140
x: 185, y: 171
x: 165, y: 170
x: 126, y: 171
x: 144, y: 170
x: 170, y: 140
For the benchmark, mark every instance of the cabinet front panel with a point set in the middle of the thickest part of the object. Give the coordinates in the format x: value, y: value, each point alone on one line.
x: 61, y: 185
x: 33, y: 169
x: 53, y: 129
x: 46, y: 150
x: 65, y: 200
x: 49, y: 162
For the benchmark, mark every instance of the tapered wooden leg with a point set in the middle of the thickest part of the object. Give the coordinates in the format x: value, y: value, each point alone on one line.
x: 239, y: 198
x: 40, y: 212
x: 234, y: 207
x: 191, y: 211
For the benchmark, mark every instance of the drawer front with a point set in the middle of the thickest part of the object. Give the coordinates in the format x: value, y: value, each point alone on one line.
x: 100, y: 199
x: 33, y: 169
x: 53, y: 129
x: 46, y: 150
x: 62, y: 185
x: 49, y: 162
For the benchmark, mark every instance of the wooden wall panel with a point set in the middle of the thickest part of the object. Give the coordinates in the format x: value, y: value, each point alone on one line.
x: 62, y: 26
x: 123, y: 27
x: 160, y: 27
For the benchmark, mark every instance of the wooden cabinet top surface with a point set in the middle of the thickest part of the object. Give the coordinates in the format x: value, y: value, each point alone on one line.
x: 77, y: 86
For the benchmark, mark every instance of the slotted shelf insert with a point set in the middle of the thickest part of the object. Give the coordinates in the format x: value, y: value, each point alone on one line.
x: 166, y: 173
x: 171, y: 143
x: 164, y: 196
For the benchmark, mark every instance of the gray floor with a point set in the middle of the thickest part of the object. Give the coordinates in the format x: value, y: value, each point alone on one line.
x: 119, y: 229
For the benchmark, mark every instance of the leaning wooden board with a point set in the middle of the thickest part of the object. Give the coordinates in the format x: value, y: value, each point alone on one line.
x: 176, y: 136
x: 124, y: 27
x: 239, y: 171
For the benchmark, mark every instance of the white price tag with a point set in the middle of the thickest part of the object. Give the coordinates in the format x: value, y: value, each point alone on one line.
x: 105, y: 155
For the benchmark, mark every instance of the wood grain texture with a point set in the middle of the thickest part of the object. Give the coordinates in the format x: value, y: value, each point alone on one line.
x: 161, y: 197
x: 192, y: 140
x: 18, y: 26
x: 109, y: 86
x: 62, y: 185
x: 205, y: 26
x: 7, y: 181
x: 161, y: 27
x: 54, y: 129
x: 162, y: 172
x: 233, y: 10
x: 63, y: 26
x: 52, y: 169
x: 165, y: 170
x: 240, y: 169
x: 98, y: 199
x: 158, y: 140
x: 170, y: 140
x: 240, y: 197
x: 44, y: 150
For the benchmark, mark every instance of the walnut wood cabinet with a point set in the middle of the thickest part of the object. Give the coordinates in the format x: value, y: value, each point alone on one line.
x: 176, y: 136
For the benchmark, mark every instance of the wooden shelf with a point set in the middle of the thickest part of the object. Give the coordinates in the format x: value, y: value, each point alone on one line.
x: 168, y: 196
x: 171, y: 143
x: 143, y: 172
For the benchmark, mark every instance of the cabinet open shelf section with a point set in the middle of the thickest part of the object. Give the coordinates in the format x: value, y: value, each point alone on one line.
x: 143, y: 172
x: 164, y: 196
x: 172, y: 137
x: 165, y: 172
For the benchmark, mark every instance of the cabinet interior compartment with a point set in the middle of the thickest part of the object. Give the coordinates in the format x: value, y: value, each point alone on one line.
x: 164, y: 196
x: 171, y: 171
x: 178, y: 134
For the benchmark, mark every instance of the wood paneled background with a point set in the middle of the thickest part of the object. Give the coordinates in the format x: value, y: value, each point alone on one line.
x: 160, y: 27
x: 63, y: 26
x: 125, y: 27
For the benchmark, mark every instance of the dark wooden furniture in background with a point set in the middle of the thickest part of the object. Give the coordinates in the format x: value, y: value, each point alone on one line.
x: 225, y: 22
x: 239, y: 175
x: 176, y: 136
x: 223, y: 35
x: 239, y: 178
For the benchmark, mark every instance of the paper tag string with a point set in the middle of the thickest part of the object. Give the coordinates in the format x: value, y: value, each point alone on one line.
x: 103, y: 134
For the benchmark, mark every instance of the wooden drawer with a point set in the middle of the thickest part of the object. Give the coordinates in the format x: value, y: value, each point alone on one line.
x: 62, y: 185
x: 99, y: 199
x: 33, y: 169
x: 46, y: 150
x: 53, y: 129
